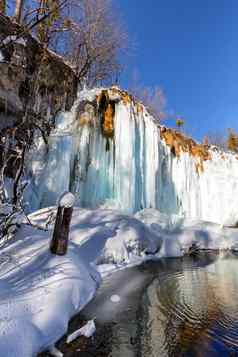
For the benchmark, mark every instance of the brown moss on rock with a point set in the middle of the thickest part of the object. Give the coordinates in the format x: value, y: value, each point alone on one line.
x: 108, y: 124
x: 199, y: 167
x: 127, y: 99
x: 84, y: 119
x: 123, y: 95
x: 179, y: 143
x: 106, y: 108
x: 139, y: 108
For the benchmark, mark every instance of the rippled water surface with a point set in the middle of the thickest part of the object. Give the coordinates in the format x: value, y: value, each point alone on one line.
x: 175, y: 307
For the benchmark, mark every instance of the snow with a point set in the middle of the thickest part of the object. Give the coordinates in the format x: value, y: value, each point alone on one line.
x: 138, y: 172
x: 107, y: 237
x: 55, y: 352
x: 87, y: 330
x: 180, y: 233
x: 40, y: 292
x: 159, y: 221
x: 67, y: 200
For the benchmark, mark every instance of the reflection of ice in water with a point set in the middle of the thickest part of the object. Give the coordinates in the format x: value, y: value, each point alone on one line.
x: 173, y: 308
x: 193, y: 311
x: 116, y: 302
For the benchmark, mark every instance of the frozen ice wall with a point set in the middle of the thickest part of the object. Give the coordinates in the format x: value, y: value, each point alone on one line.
x: 126, y: 164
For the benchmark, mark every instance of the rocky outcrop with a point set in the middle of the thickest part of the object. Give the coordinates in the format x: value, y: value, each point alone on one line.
x: 31, y: 77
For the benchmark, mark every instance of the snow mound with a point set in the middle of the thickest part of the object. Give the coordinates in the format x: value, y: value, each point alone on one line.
x: 180, y: 234
x: 159, y: 221
x: 107, y: 236
x: 67, y: 200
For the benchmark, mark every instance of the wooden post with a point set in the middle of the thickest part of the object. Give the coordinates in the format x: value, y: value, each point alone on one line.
x: 60, y: 238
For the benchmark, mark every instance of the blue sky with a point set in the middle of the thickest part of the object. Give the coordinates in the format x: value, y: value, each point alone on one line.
x: 190, y: 49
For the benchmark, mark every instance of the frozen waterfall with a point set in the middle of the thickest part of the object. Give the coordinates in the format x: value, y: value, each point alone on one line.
x: 132, y: 168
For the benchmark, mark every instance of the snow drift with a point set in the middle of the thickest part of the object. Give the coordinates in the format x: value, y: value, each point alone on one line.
x: 110, y: 152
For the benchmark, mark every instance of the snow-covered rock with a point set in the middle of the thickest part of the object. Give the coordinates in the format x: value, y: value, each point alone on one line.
x: 132, y: 164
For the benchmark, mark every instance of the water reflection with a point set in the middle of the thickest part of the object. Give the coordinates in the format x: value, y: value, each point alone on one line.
x: 192, y: 312
x: 175, y: 307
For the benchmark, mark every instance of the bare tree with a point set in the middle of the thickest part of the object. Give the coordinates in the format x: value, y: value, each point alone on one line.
x: 88, y: 35
x: 18, y: 10
x: 217, y: 139
x: 86, y: 32
x: 43, y: 15
x: 153, y: 98
x: 14, y: 143
x: 96, y: 39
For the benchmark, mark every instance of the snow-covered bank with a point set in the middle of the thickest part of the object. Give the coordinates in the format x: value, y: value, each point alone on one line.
x: 178, y: 234
x: 107, y: 238
x: 40, y: 292
x: 111, y: 152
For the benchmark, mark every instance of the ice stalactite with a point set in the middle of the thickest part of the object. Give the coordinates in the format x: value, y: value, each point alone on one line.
x: 110, y: 152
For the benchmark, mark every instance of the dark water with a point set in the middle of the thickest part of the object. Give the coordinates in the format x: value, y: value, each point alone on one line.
x: 175, y: 307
